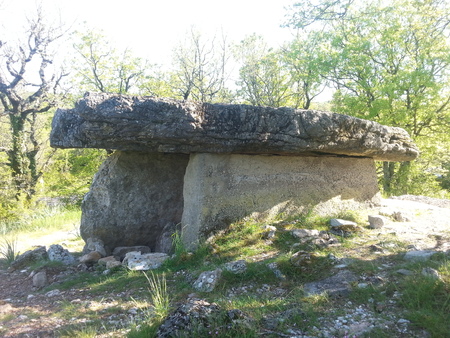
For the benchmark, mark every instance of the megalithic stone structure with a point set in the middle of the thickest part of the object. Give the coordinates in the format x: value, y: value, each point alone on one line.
x: 203, y: 166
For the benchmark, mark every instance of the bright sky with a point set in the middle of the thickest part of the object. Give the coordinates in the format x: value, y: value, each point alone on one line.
x: 151, y: 28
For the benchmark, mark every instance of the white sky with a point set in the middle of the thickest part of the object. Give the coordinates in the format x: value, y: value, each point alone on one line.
x: 152, y: 28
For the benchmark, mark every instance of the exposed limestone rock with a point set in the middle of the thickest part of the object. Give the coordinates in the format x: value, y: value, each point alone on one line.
x: 90, y: 258
x: 135, y: 199
x: 94, y: 244
x: 236, y: 267
x: 57, y: 253
x: 336, y: 285
x: 120, y: 252
x: 207, y: 280
x: 40, y: 280
x: 29, y: 257
x: 376, y: 222
x: 148, y: 124
x: 220, y: 189
x: 136, y: 261
x: 193, y: 313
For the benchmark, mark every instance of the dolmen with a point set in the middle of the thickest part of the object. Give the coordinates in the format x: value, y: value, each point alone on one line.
x: 198, y: 167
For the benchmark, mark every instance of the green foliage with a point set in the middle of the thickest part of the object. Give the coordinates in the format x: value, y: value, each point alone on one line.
x: 158, y: 294
x: 429, y: 303
x: 70, y: 173
x: 389, y: 62
x: 8, y: 250
x: 102, y: 67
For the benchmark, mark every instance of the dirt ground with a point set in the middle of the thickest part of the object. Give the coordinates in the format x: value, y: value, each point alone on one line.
x: 26, y: 312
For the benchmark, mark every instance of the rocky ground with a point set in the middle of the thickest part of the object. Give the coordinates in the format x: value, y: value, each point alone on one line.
x: 28, y: 312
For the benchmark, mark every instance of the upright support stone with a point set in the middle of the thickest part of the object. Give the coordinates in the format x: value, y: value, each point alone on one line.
x: 135, y: 199
x: 220, y: 189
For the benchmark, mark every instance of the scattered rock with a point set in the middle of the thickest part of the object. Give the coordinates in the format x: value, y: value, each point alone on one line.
x: 430, y: 272
x: 53, y: 293
x: 120, y: 252
x: 90, y: 258
x: 236, y: 267
x: 376, y: 222
x: 29, y: 257
x: 95, y: 244
x: 40, y: 280
x: 274, y: 267
x: 337, y: 285
x: 343, y: 225
x: 418, y: 255
x: 105, y: 260
x: 376, y: 248
x: 207, y: 280
x: 109, y: 262
x: 401, y: 216
x: 304, y: 233
x: 405, y: 272
x: 302, y: 258
x: 194, y: 312
x: 57, y: 253
x: 269, y: 231
x: 136, y: 261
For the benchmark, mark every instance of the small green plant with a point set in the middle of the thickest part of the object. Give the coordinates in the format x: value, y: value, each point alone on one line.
x: 158, y: 294
x: 8, y: 250
x: 177, y: 244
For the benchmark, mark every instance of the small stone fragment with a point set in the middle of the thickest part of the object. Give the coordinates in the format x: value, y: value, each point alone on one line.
x: 302, y: 258
x: 90, y: 258
x: 207, y: 280
x: 274, y: 267
x: 269, y: 231
x: 136, y: 261
x: 104, y: 261
x: 302, y: 233
x: 418, y: 255
x: 29, y: 257
x: 343, y: 225
x: 405, y: 272
x: 400, y: 216
x: 53, y: 293
x: 376, y: 221
x: 40, y: 280
x: 236, y: 267
x: 57, y: 253
x: 430, y: 272
x: 120, y: 252
x: 95, y: 244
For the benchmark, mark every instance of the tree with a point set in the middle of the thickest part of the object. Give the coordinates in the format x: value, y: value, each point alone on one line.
x: 389, y: 62
x: 305, y: 59
x: 104, y: 68
x: 263, y: 81
x: 28, y: 89
x: 290, y: 76
x: 200, y: 68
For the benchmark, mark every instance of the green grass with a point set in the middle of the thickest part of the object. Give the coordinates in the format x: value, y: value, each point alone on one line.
x: 42, y: 219
x: 425, y: 302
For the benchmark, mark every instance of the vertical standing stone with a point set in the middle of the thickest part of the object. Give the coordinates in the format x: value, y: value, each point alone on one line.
x: 222, y: 188
x: 135, y: 199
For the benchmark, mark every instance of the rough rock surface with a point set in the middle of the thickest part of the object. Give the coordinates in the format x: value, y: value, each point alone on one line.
x: 135, y: 199
x: 149, y: 124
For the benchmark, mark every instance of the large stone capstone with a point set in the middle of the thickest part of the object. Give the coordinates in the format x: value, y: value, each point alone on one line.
x: 203, y: 166
x: 148, y: 124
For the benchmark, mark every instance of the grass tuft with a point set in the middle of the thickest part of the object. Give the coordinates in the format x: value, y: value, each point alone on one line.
x: 8, y: 250
x: 158, y: 294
